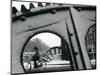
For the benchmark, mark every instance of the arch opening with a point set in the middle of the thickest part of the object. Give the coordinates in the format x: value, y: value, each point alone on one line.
x: 46, y: 51
x: 90, y: 41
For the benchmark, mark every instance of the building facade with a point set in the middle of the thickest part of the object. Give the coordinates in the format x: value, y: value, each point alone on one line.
x: 75, y: 25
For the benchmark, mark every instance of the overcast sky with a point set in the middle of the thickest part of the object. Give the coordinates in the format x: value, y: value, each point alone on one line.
x: 18, y: 4
x: 49, y: 38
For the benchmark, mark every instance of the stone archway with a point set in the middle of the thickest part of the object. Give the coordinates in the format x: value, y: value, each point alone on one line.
x: 53, y: 53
